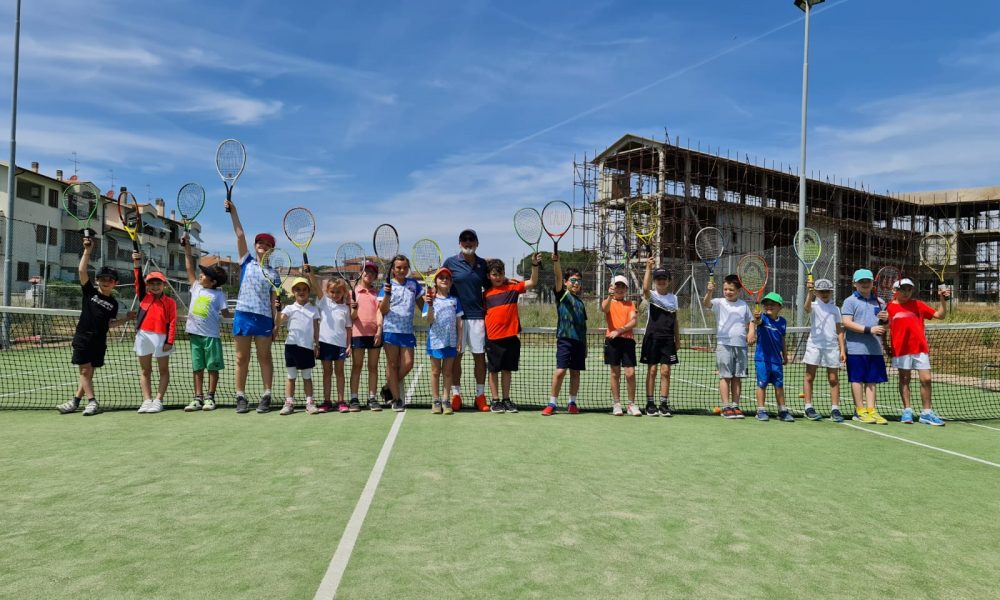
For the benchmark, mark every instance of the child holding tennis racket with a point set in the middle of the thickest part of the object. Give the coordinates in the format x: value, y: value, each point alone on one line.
x: 90, y: 341
x: 396, y: 303
x: 255, y: 316
x: 863, y: 313
x: 767, y: 330
x: 208, y: 306
x: 366, y: 335
x: 334, y: 343
x: 443, y: 314
x: 825, y: 346
x: 732, y: 320
x: 571, y: 336
x: 619, y: 344
x: 662, y: 338
x: 156, y: 328
x: 301, y: 344
x: 910, y: 351
x: 503, y: 325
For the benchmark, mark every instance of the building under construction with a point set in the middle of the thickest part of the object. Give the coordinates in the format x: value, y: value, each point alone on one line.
x: 756, y: 208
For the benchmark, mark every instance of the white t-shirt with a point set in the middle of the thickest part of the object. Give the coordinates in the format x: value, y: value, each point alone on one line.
x: 824, y: 320
x: 204, y: 312
x: 335, y: 320
x: 300, y: 318
x: 731, y: 320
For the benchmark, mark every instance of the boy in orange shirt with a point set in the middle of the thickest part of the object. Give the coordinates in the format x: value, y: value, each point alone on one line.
x: 503, y: 324
x: 619, y: 344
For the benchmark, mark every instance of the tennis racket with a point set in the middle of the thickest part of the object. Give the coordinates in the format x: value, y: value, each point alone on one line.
x: 129, y: 215
x: 230, y: 158
x: 190, y: 201
x: 752, y: 271
x: 808, y: 246
x: 885, y: 280
x: 350, y: 253
x: 275, y: 265
x: 300, y: 227
x: 709, y: 246
x: 616, y: 254
x: 557, y: 218
x: 386, y: 245
x: 642, y: 223
x: 935, y: 254
x: 528, y: 227
x: 80, y: 201
x: 426, y: 257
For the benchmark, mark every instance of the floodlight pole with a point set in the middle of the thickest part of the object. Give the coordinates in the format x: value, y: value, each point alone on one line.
x: 8, y: 242
x: 800, y: 313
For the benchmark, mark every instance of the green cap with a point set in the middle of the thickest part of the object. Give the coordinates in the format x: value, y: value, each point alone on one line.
x: 775, y: 297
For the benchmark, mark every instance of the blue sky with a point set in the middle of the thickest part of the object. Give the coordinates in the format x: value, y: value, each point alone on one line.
x: 438, y: 116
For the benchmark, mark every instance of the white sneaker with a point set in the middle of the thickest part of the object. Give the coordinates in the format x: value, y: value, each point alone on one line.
x: 634, y: 411
x: 146, y: 405
x: 616, y: 409
x: 287, y: 409
x: 155, y: 406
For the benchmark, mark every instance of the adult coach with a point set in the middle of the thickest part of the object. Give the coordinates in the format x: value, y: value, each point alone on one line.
x: 469, y: 276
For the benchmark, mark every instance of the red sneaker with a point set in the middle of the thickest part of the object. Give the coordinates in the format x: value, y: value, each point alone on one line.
x: 325, y: 407
x: 456, y: 402
x: 342, y: 407
x: 548, y: 411
x: 572, y: 409
x: 737, y: 413
x: 481, y: 404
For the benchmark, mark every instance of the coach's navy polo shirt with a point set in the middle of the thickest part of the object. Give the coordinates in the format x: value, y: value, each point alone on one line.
x: 467, y: 284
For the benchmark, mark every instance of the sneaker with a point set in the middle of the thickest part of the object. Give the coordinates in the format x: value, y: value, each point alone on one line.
x: 664, y: 410
x: 398, y: 406
x: 265, y: 404
x: 548, y: 411
x: 354, y: 405
x: 907, y: 416
x: 436, y: 408
x: 386, y: 394
x: 737, y: 413
x: 456, y: 402
x: 209, y: 404
x: 242, y: 407
x: 786, y: 416
x: 727, y: 413
x: 155, y: 406
x: 812, y: 415
x: 145, y: 406
x: 931, y: 418
x: 69, y: 406
x: 634, y: 411
x: 762, y: 415
x: 650, y: 409
x: 446, y: 407
x: 195, y: 405
x: 92, y: 409
x: 325, y: 407
x: 287, y: 409
x: 374, y: 405
x: 497, y: 407
x: 861, y: 415
x: 616, y: 410
x: 509, y: 406
x: 835, y: 416
x: 572, y: 409
x: 311, y: 408
x: 481, y: 404
x: 343, y: 407
x: 879, y: 419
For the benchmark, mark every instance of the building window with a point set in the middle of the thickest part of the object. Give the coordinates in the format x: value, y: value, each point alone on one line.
x: 22, y: 271
x: 29, y: 191
x: 53, y: 236
x: 54, y: 198
x: 40, y: 234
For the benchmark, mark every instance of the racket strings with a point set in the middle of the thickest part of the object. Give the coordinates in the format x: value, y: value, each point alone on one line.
x: 426, y: 257
x: 81, y: 200
x: 230, y: 158
x: 528, y: 225
x: 386, y: 242
x: 807, y: 245
x: 349, y: 254
x: 935, y: 251
x: 641, y: 219
x: 708, y: 244
x: 190, y: 200
x: 557, y: 217
x: 300, y: 226
x: 752, y: 274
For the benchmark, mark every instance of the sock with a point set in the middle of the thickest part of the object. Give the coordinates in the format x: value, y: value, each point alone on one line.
x: 480, y: 389
x: 435, y: 399
x: 572, y: 399
x: 354, y: 397
x: 649, y: 399
x: 371, y: 396
x: 211, y: 396
x: 289, y: 399
x: 727, y: 405
x: 267, y: 392
x: 834, y: 407
x: 76, y: 399
x: 456, y: 390
x: 664, y: 399
x: 506, y: 399
x: 808, y: 405
x: 199, y: 398
x: 309, y: 400
x: 926, y: 411
x: 782, y: 407
x: 553, y: 400
x: 240, y: 393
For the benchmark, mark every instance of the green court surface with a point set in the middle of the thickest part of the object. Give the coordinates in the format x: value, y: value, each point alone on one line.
x: 221, y: 505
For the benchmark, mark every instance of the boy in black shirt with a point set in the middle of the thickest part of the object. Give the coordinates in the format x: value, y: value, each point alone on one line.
x: 97, y: 314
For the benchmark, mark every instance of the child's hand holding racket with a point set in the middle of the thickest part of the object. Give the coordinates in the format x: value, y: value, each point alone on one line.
x: 711, y: 285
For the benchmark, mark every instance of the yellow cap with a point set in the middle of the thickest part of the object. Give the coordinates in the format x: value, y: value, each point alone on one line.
x: 299, y: 280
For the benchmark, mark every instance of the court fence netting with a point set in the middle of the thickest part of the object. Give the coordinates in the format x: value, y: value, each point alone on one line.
x: 36, y: 373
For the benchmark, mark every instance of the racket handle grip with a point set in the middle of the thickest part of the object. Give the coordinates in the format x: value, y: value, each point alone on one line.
x: 809, y: 278
x: 305, y: 258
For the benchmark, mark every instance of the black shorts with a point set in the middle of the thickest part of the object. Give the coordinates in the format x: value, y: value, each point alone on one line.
x: 503, y: 354
x: 619, y: 352
x: 658, y: 351
x: 364, y: 342
x: 299, y: 357
x: 89, y: 351
x: 571, y: 354
x: 332, y: 352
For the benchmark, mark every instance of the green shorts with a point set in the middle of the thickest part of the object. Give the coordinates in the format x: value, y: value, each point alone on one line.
x: 206, y: 353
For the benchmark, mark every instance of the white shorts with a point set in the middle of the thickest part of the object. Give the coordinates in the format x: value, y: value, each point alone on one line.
x: 147, y: 342
x: 822, y: 357
x: 474, y: 336
x: 917, y: 362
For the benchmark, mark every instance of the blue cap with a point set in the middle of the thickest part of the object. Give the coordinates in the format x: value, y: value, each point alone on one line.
x: 863, y: 274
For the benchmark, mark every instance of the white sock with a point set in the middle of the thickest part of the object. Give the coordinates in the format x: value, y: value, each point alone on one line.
x: 456, y: 389
x: 808, y: 405
x: 553, y: 400
x: 267, y: 392
x: 480, y: 389
x: 926, y: 411
x: 309, y: 400
x: 572, y: 399
x: 834, y: 407
x: 289, y: 400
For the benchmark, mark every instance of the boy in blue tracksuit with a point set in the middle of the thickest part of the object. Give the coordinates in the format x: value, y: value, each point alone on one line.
x: 768, y: 329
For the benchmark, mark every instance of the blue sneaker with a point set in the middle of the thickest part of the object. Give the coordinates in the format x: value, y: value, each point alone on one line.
x: 907, y: 416
x: 931, y: 419
x: 835, y: 416
x: 812, y: 415
x: 762, y: 415
x: 786, y: 416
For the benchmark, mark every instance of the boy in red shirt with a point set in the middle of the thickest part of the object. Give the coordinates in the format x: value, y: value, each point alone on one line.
x: 503, y: 324
x: 909, y: 346
x: 156, y: 327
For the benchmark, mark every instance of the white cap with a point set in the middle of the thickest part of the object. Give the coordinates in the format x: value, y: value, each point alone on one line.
x: 902, y: 282
x: 619, y: 279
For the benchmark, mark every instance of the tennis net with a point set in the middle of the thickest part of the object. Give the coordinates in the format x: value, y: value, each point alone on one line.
x: 35, y: 370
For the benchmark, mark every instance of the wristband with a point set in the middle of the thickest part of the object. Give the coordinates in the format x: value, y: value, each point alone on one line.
x: 868, y: 330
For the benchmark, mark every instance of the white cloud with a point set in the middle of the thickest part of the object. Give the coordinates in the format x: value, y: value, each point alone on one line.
x: 231, y: 109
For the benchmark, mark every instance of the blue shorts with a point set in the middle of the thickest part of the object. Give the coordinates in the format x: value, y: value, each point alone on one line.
x: 252, y: 324
x: 866, y: 368
x: 364, y: 342
x: 769, y: 373
x: 571, y: 354
x: 331, y: 352
x: 403, y: 340
x: 449, y: 352
x: 299, y: 357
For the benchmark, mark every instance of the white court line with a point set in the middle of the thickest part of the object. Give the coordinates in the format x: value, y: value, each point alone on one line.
x: 978, y: 425
x: 707, y: 387
x: 338, y: 564
x: 922, y: 445
x: 67, y: 384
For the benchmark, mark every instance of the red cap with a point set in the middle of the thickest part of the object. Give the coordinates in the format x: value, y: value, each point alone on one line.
x: 265, y: 237
x: 443, y: 271
x: 156, y: 275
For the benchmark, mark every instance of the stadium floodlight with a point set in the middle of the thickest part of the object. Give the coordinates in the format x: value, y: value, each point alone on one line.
x: 804, y: 5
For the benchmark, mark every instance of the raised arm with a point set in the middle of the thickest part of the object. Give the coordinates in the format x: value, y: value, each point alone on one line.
x: 709, y: 292
x: 810, y: 296
x: 88, y: 248
x: 241, y: 237
x: 557, y: 272
x: 189, y: 260
x: 140, y: 283
x: 943, y: 306
x: 647, y: 278
x: 536, y: 260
